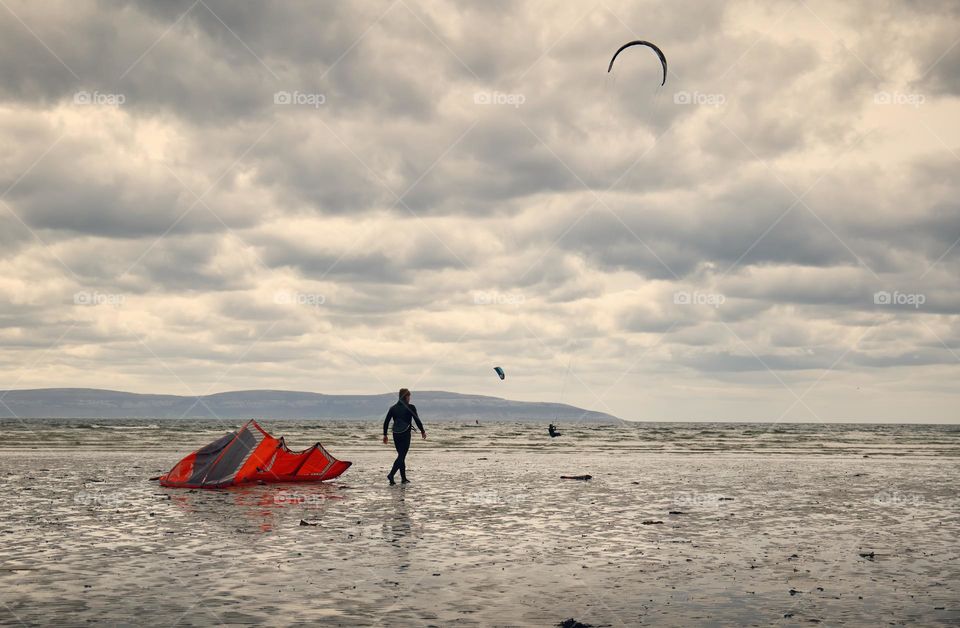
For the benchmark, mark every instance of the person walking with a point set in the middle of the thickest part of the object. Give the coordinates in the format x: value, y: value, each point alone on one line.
x: 404, y: 414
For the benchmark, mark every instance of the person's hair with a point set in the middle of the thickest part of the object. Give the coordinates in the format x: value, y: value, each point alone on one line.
x: 404, y: 393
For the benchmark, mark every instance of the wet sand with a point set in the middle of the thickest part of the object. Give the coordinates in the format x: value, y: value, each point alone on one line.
x: 494, y: 541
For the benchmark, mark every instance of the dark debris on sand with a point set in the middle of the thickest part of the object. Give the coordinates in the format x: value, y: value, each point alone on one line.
x: 573, y: 623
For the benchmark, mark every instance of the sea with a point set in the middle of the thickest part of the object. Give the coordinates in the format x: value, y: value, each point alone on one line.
x: 839, y: 439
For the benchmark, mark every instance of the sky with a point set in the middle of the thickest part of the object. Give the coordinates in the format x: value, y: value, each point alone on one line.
x: 203, y: 196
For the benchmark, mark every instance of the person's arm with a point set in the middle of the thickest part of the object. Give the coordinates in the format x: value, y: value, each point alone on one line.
x: 386, y: 423
x: 416, y: 417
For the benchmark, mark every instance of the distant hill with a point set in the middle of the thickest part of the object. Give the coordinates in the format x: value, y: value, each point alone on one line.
x: 91, y: 403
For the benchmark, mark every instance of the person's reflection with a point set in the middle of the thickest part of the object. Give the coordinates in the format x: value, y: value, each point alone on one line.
x: 400, y: 532
x: 399, y: 525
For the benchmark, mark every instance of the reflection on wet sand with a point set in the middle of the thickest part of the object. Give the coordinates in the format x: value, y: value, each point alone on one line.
x: 398, y: 527
x: 257, y: 508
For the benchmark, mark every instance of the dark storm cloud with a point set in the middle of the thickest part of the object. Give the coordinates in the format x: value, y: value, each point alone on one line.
x: 211, y: 62
x: 671, y: 242
x: 940, y: 61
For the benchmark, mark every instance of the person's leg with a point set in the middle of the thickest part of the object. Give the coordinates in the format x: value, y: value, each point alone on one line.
x: 402, y: 443
x: 403, y: 446
x: 396, y: 462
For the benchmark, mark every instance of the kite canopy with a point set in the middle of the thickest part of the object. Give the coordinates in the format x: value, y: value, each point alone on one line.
x: 500, y: 372
x: 640, y: 42
x: 252, y: 455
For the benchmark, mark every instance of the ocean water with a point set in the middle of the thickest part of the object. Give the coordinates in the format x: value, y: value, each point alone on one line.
x: 679, y: 438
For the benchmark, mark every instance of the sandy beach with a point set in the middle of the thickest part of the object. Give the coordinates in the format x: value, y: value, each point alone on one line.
x: 486, y: 537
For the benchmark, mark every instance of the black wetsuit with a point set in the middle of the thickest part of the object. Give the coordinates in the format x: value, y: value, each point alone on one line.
x: 403, y: 415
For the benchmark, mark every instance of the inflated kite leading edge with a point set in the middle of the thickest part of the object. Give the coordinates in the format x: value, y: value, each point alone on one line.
x: 640, y: 42
x: 251, y: 455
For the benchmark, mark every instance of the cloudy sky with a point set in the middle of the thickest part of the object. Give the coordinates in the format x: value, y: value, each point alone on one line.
x: 200, y: 196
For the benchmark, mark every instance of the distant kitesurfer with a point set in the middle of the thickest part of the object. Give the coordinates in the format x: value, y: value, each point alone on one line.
x: 553, y: 431
x: 403, y: 414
